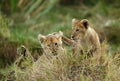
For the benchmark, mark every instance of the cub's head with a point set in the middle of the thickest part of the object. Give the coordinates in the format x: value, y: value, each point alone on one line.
x: 79, y: 28
x: 52, y: 42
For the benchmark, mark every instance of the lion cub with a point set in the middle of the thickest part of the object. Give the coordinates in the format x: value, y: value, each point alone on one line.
x: 52, y: 43
x: 84, y: 36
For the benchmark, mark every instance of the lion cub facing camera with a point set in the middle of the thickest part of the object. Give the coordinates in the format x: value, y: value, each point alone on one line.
x: 52, y: 43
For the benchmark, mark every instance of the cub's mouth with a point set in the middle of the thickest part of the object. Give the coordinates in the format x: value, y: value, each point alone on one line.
x: 73, y: 37
x: 54, y: 53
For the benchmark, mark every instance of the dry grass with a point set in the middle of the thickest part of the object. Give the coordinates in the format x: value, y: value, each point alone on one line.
x: 68, y: 67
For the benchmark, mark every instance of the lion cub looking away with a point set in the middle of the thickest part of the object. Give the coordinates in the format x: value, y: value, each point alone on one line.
x: 84, y: 38
x: 86, y: 35
x: 52, y: 43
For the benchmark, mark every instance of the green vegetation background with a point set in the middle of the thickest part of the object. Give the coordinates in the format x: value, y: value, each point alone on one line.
x: 22, y: 20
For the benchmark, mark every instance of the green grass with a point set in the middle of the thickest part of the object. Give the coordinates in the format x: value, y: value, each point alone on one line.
x: 59, y: 19
x: 22, y: 35
x: 13, y: 4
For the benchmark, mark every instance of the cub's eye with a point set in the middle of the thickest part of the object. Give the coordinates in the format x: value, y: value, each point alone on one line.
x: 77, y: 30
x: 56, y: 44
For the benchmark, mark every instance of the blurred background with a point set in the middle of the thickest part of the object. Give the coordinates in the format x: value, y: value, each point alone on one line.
x: 22, y: 20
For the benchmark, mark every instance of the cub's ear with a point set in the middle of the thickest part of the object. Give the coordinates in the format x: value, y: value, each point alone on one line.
x: 74, y: 21
x: 59, y: 37
x: 85, y: 23
x: 60, y: 33
x: 41, y: 38
x: 57, y: 34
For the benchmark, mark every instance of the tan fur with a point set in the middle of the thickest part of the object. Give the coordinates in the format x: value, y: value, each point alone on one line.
x: 52, y: 43
x: 86, y: 35
x: 76, y: 46
x: 68, y: 41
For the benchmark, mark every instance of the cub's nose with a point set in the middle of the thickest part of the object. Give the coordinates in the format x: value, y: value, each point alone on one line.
x: 72, y: 37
